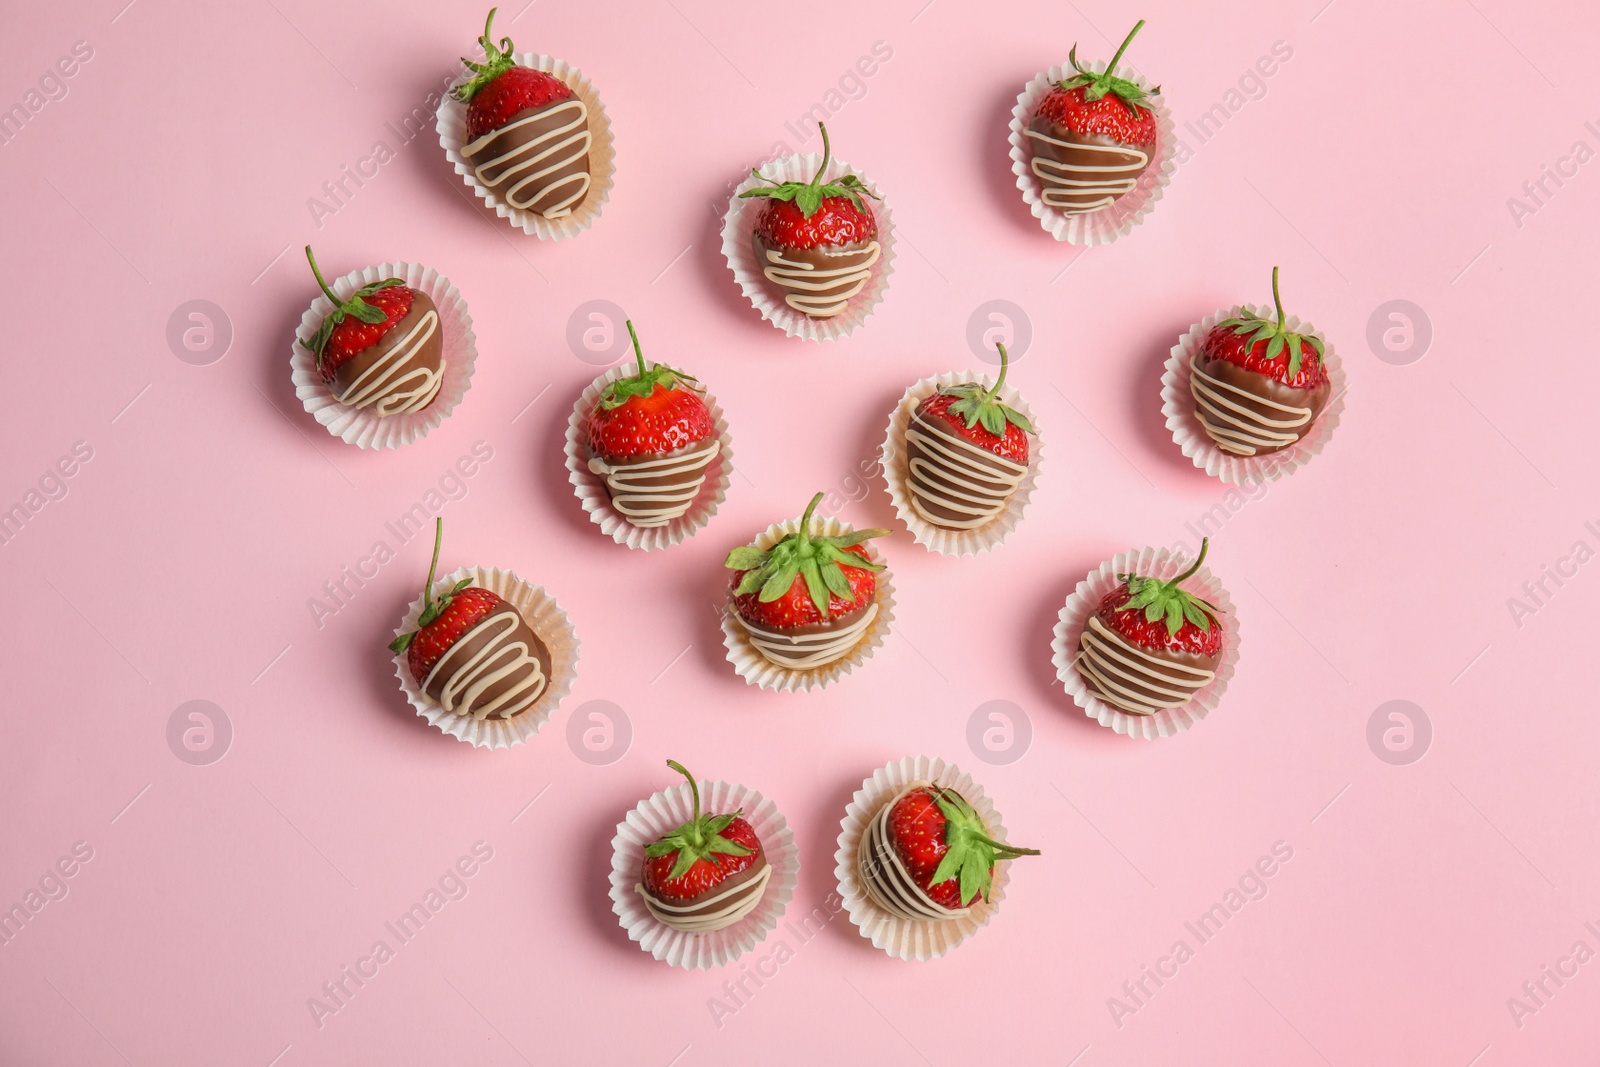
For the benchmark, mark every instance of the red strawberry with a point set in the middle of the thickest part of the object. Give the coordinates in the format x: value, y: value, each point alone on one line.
x: 355, y: 325
x: 1159, y: 616
x: 1088, y: 103
x: 945, y: 846
x: 700, y: 855
x: 647, y: 413
x: 1267, y: 348
x: 500, y: 88
x: 444, y: 621
x: 976, y: 415
x: 803, y: 215
x: 803, y: 579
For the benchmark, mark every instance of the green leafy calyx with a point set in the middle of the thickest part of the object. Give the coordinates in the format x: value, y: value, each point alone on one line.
x: 771, y: 573
x: 642, y: 384
x: 355, y: 307
x: 1279, y: 340
x: 698, y: 839
x: 972, y: 853
x: 1160, y: 599
x: 496, y: 61
x: 979, y: 405
x: 1098, y: 85
x: 431, y: 608
x: 809, y: 195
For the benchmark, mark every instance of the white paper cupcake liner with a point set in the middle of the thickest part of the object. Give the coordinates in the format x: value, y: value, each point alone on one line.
x: 364, y: 427
x: 452, y: 127
x: 544, y: 617
x: 1085, y: 600
x: 591, y: 489
x: 761, y: 672
x: 740, y: 222
x: 1177, y: 403
x: 669, y: 809
x: 909, y: 939
x: 1103, y: 225
x: 896, y: 473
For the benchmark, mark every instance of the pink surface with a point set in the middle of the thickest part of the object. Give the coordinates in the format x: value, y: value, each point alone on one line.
x: 176, y: 563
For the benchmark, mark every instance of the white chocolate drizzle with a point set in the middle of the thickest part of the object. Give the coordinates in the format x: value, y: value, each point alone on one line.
x: 961, y: 477
x: 1239, y: 428
x: 885, y: 876
x: 1129, y: 678
x: 543, y: 156
x: 499, y: 659
x: 645, y: 504
x: 385, y: 385
x: 1066, y: 185
x: 725, y: 908
x: 816, y: 292
x: 802, y: 652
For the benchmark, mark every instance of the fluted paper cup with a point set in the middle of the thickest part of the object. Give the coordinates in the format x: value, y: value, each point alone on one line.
x: 364, y: 427
x: 909, y: 939
x: 1177, y: 404
x: 897, y: 473
x: 740, y: 222
x: 663, y: 812
x: 1083, y: 601
x: 452, y: 126
x: 1118, y: 218
x: 591, y: 489
x: 544, y: 617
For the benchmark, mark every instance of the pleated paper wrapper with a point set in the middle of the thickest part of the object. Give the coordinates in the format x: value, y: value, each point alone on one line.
x: 452, y: 127
x: 897, y: 473
x: 1085, y: 600
x: 1117, y: 219
x: 740, y: 222
x: 665, y: 811
x: 909, y: 939
x: 544, y: 617
x: 1178, y: 405
x: 364, y: 427
x: 591, y: 489
x: 761, y: 672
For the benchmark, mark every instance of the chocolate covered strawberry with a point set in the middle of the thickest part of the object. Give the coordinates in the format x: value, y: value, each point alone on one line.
x: 472, y: 653
x: 1151, y: 644
x: 1092, y: 136
x: 705, y: 874
x: 380, y: 347
x: 967, y: 452
x: 1258, y: 385
x: 527, y: 134
x: 816, y: 241
x: 652, y: 439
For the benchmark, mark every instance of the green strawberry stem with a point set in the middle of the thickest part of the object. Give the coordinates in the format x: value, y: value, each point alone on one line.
x: 320, y: 282
x: 805, y: 520
x: 1111, y: 67
x: 638, y: 353
x: 994, y: 393
x: 1168, y: 600
x: 433, y: 567
x: 1205, y: 543
x: 827, y: 154
x: 975, y: 404
x: 496, y: 61
x: 1276, y: 299
x: 694, y: 792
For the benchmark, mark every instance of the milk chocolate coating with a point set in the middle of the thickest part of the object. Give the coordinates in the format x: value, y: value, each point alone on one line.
x: 666, y: 480
x: 1179, y: 679
x: 1257, y: 384
x: 821, y: 258
x: 428, y: 356
x: 917, y: 451
x: 541, y: 194
x: 828, y: 625
x: 476, y: 639
x: 1078, y: 157
x: 733, y: 881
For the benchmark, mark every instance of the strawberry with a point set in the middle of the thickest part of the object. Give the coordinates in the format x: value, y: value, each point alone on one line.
x: 806, y: 215
x: 803, y: 580
x: 700, y: 855
x: 356, y: 324
x: 945, y: 846
x: 651, y: 412
x: 976, y: 415
x: 445, y: 620
x: 500, y: 88
x: 1158, y: 616
x: 1255, y: 344
x: 1104, y: 105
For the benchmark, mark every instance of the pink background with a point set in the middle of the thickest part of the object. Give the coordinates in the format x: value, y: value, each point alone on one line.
x: 1376, y: 166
